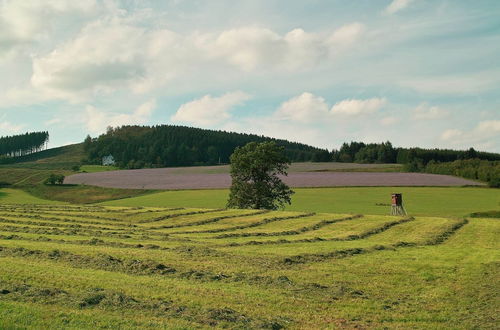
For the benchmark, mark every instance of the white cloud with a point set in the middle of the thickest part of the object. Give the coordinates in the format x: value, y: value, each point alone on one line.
x: 250, y: 48
x: 483, y: 136
x: 353, y: 107
x: 397, y: 5
x: 309, y: 108
x: 455, y: 84
x: 388, y: 121
x: 492, y: 126
x: 426, y: 112
x: 209, y: 110
x: 253, y: 48
x: 346, y: 36
x: 112, y: 53
x: 22, y: 22
x: 104, y: 56
x: 7, y: 128
x: 96, y: 121
x: 303, y: 108
x: 53, y: 121
x: 451, y: 134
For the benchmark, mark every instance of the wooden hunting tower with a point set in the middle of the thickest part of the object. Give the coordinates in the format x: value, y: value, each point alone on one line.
x: 397, y: 207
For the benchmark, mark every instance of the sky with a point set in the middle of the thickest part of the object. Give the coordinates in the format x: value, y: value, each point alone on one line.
x: 415, y: 72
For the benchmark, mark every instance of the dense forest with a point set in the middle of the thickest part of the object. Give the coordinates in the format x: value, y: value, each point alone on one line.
x: 24, y: 144
x: 166, y: 145
x: 360, y: 152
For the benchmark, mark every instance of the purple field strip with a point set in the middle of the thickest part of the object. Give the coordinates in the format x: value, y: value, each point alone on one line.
x: 165, y: 178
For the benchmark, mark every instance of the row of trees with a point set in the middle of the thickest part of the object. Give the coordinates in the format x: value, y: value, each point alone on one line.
x: 24, y: 144
x: 360, y: 152
x: 475, y: 169
x: 166, y: 145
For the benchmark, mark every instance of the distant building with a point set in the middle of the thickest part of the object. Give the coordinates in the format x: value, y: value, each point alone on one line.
x: 108, y: 160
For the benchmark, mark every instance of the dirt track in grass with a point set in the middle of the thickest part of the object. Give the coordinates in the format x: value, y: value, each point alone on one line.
x: 174, y: 178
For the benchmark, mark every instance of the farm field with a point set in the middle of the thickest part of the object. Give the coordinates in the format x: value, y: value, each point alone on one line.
x: 171, y: 178
x: 431, y: 201
x: 73, y: 266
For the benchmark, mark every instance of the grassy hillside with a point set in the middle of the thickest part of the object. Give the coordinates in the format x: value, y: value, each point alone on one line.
x: 435, y: 201
x: 95, y: 267
x: 30, y: 172
x: 62, y: 158
x: 35, y: 168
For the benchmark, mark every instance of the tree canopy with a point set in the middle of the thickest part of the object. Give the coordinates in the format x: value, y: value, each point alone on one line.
x: 255, y: 170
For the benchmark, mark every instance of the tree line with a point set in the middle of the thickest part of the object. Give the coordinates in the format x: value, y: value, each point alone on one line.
x: 470, y: 164
x: 168, y: 145
x: 360, y: 152
x: 475, y: 169
x: 23, y: 144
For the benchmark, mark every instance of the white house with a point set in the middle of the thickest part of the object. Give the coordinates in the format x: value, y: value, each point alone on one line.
x: 108, y: 160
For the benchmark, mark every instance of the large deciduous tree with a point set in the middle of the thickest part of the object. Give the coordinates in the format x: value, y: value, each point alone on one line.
x: 255, y: 170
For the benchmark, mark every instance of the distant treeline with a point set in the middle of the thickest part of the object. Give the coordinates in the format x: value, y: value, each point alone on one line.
x: 470, y: 164
x: 24, y: 144
x: 360, y: 152
x: 166, y: 145
x: 476, y: 169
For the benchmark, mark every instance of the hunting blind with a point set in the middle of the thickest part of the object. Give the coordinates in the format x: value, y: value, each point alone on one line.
x: 397, y: 207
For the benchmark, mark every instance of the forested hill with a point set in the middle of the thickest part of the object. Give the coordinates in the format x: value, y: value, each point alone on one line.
x: 165, y: 145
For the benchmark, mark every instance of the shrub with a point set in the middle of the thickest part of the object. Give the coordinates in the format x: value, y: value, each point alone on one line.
x: 55, y: 179
x: 494, y: 182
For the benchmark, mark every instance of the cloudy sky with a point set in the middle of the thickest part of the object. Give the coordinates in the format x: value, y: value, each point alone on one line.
x: 415, y: 72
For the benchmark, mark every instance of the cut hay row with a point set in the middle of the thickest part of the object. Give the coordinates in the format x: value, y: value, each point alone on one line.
x: 298, y: 231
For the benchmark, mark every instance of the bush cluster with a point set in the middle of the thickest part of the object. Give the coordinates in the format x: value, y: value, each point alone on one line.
x: 54, y: 179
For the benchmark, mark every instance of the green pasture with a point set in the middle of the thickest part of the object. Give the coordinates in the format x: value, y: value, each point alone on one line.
x: 17, y: 196
x: 424, y: 201
x: 88, y: 267
x: 438, y: 201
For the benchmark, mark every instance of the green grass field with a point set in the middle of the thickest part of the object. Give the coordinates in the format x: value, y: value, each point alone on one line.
x: 17, y: 196
x: 88, y: 267
x: 433, y: 201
